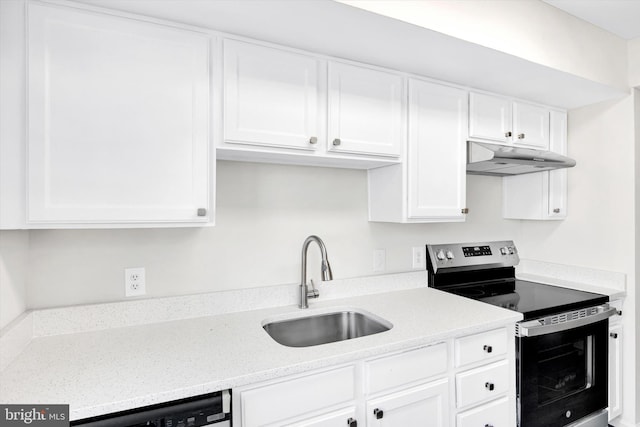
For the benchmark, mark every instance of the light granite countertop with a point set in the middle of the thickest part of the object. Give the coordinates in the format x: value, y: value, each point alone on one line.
x: 103, y: 371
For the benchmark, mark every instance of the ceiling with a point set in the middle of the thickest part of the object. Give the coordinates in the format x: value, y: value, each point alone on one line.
x: 620, y: 17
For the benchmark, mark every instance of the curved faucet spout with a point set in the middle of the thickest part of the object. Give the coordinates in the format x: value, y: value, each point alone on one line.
x: 325, y: 268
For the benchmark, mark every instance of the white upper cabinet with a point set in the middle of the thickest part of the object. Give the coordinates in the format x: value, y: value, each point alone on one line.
x: 499, y: 119
x: 430, y: 185
x: 366, y: 110
x: 437, y: 151
x: 285, y: 106
x: 490, y: 118
x: 531, y: 125
x: 540, y: 195
x: 271, y: 97
x: 118, y: 121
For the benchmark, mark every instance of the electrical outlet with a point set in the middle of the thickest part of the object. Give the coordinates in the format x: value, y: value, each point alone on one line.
x: 379, y: 260
x: 134, y: 282
x: 418, y: 259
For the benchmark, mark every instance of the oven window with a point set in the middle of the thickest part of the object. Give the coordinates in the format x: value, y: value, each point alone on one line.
x: 564, y: 368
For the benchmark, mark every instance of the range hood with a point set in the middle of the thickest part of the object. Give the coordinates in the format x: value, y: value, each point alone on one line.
x: 484, y: 158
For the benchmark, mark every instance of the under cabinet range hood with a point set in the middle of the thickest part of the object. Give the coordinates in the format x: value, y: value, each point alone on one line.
x: 484, y: 158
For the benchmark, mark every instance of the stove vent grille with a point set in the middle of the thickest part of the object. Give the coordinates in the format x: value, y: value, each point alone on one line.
x: 569, y: 316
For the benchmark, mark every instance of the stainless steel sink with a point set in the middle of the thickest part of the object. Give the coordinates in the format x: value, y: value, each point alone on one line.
x: 325, y: 328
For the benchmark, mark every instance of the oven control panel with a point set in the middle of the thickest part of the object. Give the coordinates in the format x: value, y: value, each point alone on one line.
x: 473, y: 255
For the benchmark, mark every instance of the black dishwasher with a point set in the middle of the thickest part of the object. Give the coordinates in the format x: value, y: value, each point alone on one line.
x: 214, y: 408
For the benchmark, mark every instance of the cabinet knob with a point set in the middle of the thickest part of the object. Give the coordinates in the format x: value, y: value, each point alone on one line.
x: 202, y: 212
x: 556, y: 210
x: 521, y: 136
x: 379, y: 413
x: 337, y: 142
x: 465, y: 210
x: 489, y: 386
x: 619, y: 312
x: 352, y: 423
x: 507, y: 134
x: 313, y: 140
x: 613, y: 335
x: 488, y: 348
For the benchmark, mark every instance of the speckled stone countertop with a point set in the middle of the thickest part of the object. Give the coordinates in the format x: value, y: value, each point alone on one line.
x: 104, y: 371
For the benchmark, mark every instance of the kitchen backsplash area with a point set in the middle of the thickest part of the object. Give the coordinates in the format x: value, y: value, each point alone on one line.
x: 264, y: 213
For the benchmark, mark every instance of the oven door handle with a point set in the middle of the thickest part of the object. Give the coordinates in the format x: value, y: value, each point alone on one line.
x: 534, y: 328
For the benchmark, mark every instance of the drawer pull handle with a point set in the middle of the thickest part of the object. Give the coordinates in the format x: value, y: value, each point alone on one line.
x: 613, y: 335
x: 352, y: 423
x: 489, y: 386
x: 378, y: 413
x: 488, y: 348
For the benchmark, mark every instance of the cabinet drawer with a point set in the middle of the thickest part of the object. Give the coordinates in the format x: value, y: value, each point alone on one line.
x: 415, y: 365
x: 494, y: 414
x: 482, y: 383
x: 479, y: 347
x: 287, y: 399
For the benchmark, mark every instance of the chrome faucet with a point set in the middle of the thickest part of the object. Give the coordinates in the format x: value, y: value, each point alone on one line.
x: 305, y: 293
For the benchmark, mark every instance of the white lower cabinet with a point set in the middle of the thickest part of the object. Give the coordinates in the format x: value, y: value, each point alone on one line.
x: 338, y: 418
x: 494, y: 414
x: 480, y: 384
x: 425, y: 405
x: 422, y: 387
x: 291, y: 401
x: 615, y: 361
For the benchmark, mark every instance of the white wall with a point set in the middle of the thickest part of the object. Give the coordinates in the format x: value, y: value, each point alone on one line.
x: 264, y: 212
x: 636, y: 94
x: 634, y: 62
x: 14, y: 249
x: 530, y: 29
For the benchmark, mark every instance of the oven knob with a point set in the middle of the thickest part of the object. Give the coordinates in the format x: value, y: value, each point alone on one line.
x: 440, y: 255
x: 449, y: 255
x: 504, y: 250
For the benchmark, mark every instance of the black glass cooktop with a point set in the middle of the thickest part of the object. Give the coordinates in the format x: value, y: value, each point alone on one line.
x: 532, y: 299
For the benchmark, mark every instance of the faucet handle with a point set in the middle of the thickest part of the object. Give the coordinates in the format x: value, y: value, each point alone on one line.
x: 313, y: 292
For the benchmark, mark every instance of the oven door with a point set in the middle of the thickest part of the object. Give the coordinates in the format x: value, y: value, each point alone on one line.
x: 562, y: 374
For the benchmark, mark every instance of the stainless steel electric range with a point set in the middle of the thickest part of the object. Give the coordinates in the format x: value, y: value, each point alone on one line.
x: 561, y: 345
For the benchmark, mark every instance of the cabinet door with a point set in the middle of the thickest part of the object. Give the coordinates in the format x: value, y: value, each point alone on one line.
x: 270, y: 97
x: 490, y: 118
x: 494, y: 414
x: 333, y: 419
x: 557, y: 208
x: 530, y: 125
x: 366, y: 111
x: 437, y: 151
x: 426, y: 405
x: 118, y: 120
x: 297, y: 398
x: 615, y: 371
